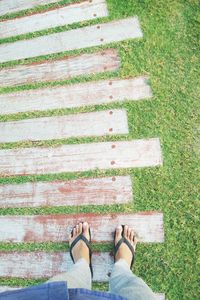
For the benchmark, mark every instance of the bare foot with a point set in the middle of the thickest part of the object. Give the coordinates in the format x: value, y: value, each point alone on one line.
x: 124, y: 251
x: 80, y: 250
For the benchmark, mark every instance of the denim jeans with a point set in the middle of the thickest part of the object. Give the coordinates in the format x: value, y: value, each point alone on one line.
x: 122, y: 281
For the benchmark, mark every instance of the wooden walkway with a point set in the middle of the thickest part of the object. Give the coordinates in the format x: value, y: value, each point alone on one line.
x: 62, y: 69
x: 56, y: 228
x: 69, y: 14
x: 90, y: 36
x: 107, y: 122
x: 87, y: 191
x: 79, y: 157
x: 10, y: 6
x: 76, y: 95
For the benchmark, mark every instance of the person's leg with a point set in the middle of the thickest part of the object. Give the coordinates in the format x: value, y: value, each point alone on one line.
x: 122, y: 281
x: 80, y: 275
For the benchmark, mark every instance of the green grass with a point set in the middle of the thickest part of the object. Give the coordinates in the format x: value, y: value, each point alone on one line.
x: 168, y: 54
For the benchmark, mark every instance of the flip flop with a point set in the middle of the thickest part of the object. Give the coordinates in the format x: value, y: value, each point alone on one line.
x: 88, y: 244
x: 121, y: 241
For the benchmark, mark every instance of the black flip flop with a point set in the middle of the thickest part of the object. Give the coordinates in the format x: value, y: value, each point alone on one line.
x: 87, y: 242
x: 124, y: 240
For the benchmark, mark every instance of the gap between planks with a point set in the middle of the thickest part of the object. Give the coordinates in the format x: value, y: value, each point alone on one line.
x: 76, y: 95
x: 10, y: 6
x: 100, y: 123
x: 158, y: 296
x: 81, y: 157
x: 96, y: 35
x: 87, y: 191
x: 72, y: 13
x: 56, y: 228
x: 61, y: 69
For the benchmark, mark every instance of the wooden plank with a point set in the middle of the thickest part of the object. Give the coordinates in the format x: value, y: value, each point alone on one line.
x: 100, y: 123
x: 76, y: 12
x: 81, y: 157
x: 62, y: 69
x: 45, y: 265
x: 160, y: 296
x: 87, y: 191
x: 56, y: 228
x: 10, y: 6
x: 8, y: 288
x: 96, y: 35
x: 76, y: 95
x: 4, y: 288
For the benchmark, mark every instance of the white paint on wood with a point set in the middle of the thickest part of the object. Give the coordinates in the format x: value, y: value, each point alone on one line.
x: 76, y: 12
x: 72, y: 66
x: 8, y: 288
x: 160, y: 296
x: 96, y: 35
x: 76, y: 95
x: 81, y: 157
x: 87, y: 191
x: 100, y: 123
x: 56, y: 228
x: 11, y: 6
x: 45, y: 265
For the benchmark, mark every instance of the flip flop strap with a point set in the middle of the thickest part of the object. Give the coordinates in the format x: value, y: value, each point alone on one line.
x: 84, y: 239
x: 124, y: 240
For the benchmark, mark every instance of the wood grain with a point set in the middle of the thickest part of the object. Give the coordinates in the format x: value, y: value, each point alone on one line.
x: 76, y: 95
x: 76, y: 12
x: 95, y: 35
x: 100, y: 123
x: 85, y: 64
x: 10, y: 6
x: 87, y: 191
x: 45, y: 265
x: 81, y: 157
x: 56, y: 228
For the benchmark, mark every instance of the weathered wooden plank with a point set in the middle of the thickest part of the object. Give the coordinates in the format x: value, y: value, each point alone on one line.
x: 76, y: 12
x: 160, y: 296
x: 87, y: 191
x: 45, y: 265
x: 8, y: 288
x: 100, y: 34
x: 4, y: 288
x: 81, y: 157
x: 98, y: 123
x: 85, y: 64
x: 10, y: 6
x: 56, y: 228
x: 76, y: 95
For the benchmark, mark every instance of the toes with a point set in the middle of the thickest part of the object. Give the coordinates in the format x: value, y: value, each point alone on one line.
x: 118, y: 233
x: 132, y: 235
x: 80, y: 228
x: 74, y: 231
x: 85, y: 227
x: 126, y: 231
x: 129, y: 233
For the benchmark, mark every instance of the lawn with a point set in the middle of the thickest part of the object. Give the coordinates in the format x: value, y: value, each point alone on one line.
x: 168, y: 55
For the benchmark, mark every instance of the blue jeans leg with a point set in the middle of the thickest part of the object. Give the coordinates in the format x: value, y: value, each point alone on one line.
x: 124, y: 283
x: 78, y: 277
